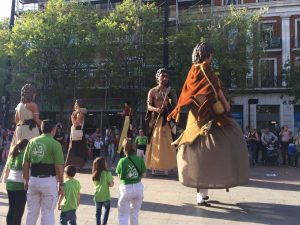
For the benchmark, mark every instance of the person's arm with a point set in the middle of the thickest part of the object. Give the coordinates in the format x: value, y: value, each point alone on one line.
x: 59, y: 169
x: 224, y: 100
x: 25, y: 170
x: 61, y: 196
x: 257, y: 137
x: 17, y: 117
x: 33, y: 107
x: 78, y: 198
x: 275, y: 137
x: 150, y: 105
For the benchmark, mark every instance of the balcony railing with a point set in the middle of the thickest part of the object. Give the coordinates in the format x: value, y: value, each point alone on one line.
x: 272, y: 43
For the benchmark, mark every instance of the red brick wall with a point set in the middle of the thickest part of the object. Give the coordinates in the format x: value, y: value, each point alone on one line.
x: 218, y: 2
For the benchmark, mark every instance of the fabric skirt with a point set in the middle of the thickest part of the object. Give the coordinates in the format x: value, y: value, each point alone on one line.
x: 160, y: 155
x: 77, y: 153
x: 215, y: 161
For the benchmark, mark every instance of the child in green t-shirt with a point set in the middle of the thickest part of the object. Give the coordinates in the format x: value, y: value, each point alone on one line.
x: 15, y: 183
x: 69, y: 202
x: 102, y: 179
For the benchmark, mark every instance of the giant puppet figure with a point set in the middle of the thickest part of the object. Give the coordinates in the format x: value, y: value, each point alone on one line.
x: 160, y: 155
x: 212, y: 152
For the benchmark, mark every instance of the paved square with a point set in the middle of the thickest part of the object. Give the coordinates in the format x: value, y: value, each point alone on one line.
x: 271, y: 197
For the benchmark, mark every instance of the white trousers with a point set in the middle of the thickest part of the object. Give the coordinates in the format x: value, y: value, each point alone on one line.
x: 41, y: 196
x: 201, y: 194
x: 141, y: 153
x: 129, y: 203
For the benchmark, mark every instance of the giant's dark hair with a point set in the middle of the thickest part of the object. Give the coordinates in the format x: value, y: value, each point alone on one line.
x: 98, y: 167
x: 202, y: 52
x: 27, y: 93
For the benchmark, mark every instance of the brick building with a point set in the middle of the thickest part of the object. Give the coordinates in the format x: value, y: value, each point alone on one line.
x: 264, y: 102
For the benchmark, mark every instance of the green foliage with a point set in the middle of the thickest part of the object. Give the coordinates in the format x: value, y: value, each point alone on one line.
x: 129, y: 39
x: 52, y: 46
x: 232, y: 35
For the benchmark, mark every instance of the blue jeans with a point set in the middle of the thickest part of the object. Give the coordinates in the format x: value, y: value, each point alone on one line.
x: 106, y: 206
x: 252, y: 151
x: 68, y: 217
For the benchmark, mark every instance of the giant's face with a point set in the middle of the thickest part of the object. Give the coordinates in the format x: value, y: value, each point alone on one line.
x: 163, y: 79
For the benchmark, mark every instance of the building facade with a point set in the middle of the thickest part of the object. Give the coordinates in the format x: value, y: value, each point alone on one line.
x: 265, y: 102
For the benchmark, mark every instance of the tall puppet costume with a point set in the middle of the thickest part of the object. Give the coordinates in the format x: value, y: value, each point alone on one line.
x: 127, y: 129
x: 160, y: 154
x: 77, y: 152
x: 212, y: 152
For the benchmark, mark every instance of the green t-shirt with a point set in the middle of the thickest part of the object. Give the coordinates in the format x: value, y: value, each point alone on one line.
x: 141, y: 140
x: 127, y: 171
x: 101, y: 187
x: 44, y: 149
x: 15, y: 164
x: 72, y: 189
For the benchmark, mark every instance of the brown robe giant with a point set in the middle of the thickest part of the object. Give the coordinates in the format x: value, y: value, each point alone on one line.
x: 212, y: 152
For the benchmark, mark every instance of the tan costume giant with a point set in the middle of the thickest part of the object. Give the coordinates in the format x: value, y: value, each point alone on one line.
x: 160, y: 154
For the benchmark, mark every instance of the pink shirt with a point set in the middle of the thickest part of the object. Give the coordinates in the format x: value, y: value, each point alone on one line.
x: 285, y: 136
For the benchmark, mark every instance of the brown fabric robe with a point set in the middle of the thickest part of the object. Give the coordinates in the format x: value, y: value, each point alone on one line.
x: 212, y: 152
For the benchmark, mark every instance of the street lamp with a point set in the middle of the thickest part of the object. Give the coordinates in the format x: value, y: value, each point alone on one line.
x: 165, y: 34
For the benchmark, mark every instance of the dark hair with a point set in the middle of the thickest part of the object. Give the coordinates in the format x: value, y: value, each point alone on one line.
x: 80, y: 103
x: 70, y: 170
x: 128, y: 103
x: 202, y: 52
x: 18, y: 147
x: 98, y: 167
x: 160, y: 72
x: 128, y: 146
x: 47, y: 126
x: 27, y: 93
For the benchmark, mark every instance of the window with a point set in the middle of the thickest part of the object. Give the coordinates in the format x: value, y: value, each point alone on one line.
x: 267, y: 116
x: 268, y: 73
x: 268, y: 35
x: 233, y: 2
x: 237, y: 112
x: 297, y: 33
x: 297, y: 64
x: 296, y: 117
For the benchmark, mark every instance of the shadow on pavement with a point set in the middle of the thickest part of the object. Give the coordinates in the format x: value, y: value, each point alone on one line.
x: 261, y: 213
x: 273, y: 185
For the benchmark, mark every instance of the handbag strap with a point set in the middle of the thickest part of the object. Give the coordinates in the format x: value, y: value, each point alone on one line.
x: 214, y: 89
x: 134, y: 166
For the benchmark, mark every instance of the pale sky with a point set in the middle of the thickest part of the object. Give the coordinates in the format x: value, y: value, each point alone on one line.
x: 5, y: 7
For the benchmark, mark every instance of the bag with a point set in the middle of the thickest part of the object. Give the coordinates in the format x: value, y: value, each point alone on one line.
x: 76, y: 135
x: 218, y: 107
x: 292, y: 151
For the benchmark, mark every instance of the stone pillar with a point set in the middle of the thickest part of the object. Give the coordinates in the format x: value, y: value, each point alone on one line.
x: 286, y: 39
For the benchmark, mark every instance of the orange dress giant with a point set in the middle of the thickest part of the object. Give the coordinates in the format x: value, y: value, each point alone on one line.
x: 212, y: 152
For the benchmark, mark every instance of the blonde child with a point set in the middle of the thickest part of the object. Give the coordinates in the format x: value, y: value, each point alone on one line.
x: 69, y: 202
x: 102, y: 179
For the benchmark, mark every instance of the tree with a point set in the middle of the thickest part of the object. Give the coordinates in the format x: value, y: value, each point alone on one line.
x: 233, y: 36
x: 130, y: 47
x: 54, y: 47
